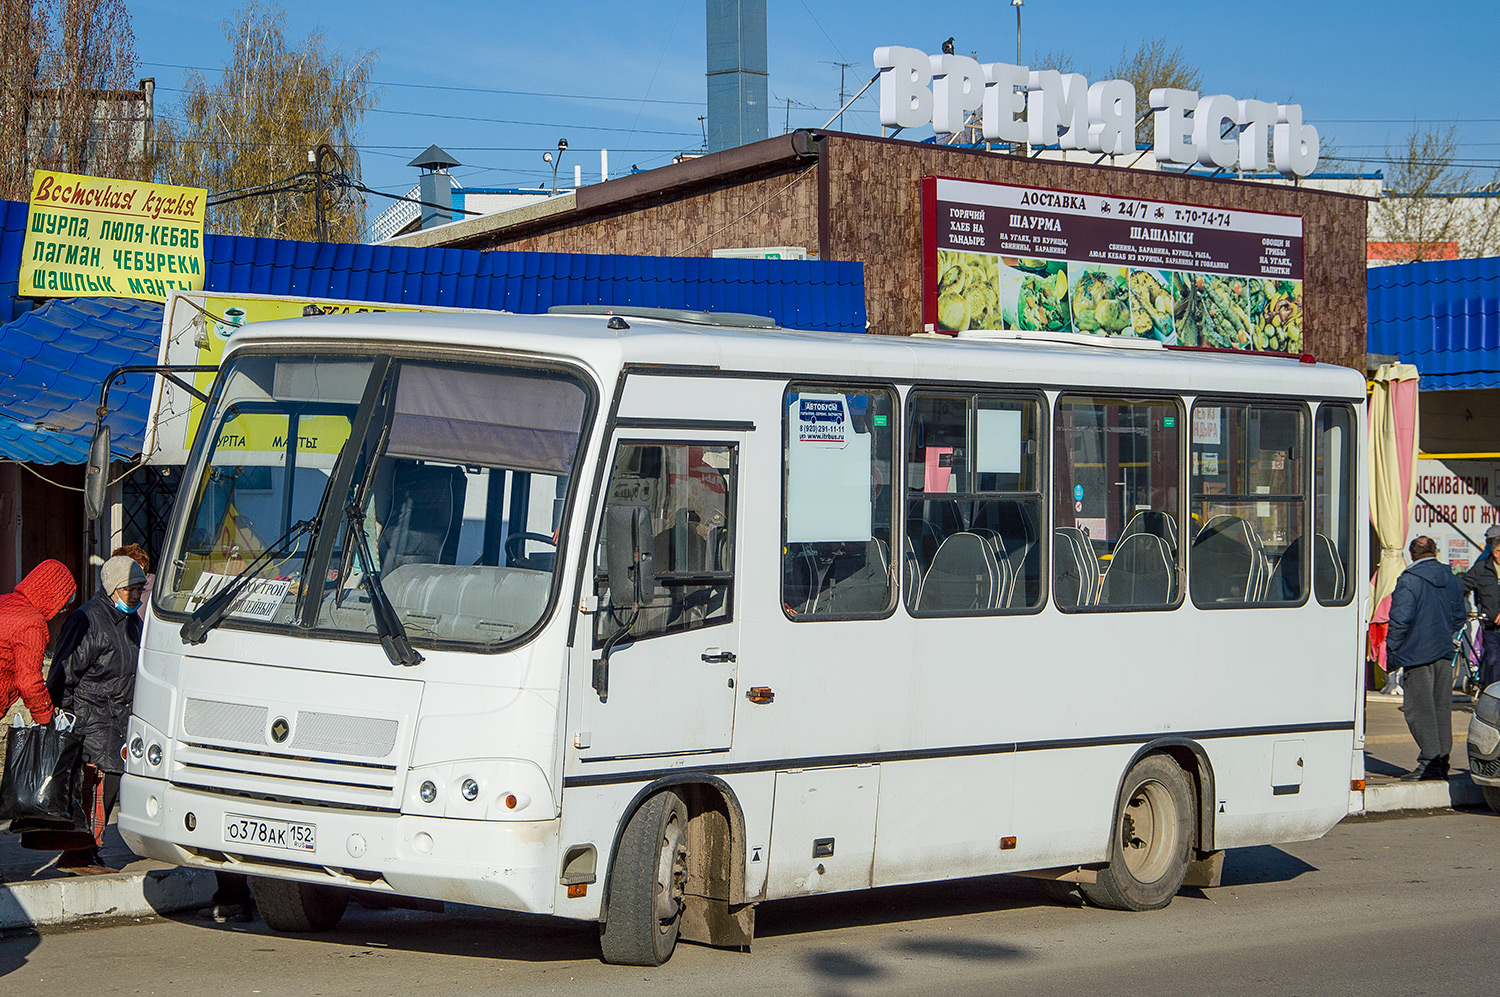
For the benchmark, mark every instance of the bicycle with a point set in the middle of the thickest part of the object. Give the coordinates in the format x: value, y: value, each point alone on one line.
x: 1468, y: 655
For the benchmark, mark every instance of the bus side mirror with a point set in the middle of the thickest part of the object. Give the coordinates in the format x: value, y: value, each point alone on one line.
x: 96, y: 477
x: 630, y: 555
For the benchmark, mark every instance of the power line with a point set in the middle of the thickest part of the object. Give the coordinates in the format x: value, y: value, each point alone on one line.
x: 506, y: 121
x: 486, y: 90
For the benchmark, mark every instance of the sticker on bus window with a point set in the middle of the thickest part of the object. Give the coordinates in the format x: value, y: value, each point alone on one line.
x: 821, y: 422
x: 1206, y: 425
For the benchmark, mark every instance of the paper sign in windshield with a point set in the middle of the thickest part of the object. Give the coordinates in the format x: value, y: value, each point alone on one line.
x: 258, y: 600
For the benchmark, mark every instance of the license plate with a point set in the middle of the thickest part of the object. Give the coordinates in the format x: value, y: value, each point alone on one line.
x: 242, y: 829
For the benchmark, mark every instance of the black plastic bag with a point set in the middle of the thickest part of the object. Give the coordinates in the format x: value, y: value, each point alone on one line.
x: 43, y: 776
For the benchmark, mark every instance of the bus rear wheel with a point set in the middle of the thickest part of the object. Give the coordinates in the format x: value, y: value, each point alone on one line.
x: 644, y: 913
x: 1152, y: 840
x: 298, y: 907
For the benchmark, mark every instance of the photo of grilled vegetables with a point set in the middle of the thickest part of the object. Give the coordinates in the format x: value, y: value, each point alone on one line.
x: 968, y: 291
x: 1101, y: 300
x: 1211, y: 311
x: 1042, y: 301
x: 1151, y: 305
x: 1276, y: 315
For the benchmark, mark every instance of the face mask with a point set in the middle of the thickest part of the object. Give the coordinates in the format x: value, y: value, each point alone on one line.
x: 123, y: 606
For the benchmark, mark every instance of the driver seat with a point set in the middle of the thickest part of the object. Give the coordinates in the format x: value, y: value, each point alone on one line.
x: 420, y: 515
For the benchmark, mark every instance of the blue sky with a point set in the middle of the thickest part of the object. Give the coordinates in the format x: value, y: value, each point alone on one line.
x: 497, y: 84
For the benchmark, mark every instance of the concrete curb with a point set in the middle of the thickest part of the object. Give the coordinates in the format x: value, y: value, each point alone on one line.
x: 52, y: 902
x: 1457, y: 791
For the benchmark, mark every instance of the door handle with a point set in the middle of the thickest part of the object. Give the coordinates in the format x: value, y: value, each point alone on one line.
x: 714, y: 656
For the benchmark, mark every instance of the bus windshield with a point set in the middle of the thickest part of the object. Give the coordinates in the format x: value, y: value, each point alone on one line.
x: 458, y: 474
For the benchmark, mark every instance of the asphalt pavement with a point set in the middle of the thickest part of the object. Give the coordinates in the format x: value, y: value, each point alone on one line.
x: 35, y: 895
x: 1384, y: 904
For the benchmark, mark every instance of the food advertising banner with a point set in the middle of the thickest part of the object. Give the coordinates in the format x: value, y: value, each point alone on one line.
x: 1456, y: 502
x: 1001, y: 257
x: 93, y: 236
x: 195, y: 328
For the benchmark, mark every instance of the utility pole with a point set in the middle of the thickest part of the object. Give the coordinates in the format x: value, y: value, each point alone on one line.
x: 844, y: 68
x: 316, y: 156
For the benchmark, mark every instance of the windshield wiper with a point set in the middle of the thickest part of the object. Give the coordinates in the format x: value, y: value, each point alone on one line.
x: 212, y: 612
x: 388, y: 623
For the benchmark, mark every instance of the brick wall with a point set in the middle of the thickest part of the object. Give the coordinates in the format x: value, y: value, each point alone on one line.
x: 874, y: 206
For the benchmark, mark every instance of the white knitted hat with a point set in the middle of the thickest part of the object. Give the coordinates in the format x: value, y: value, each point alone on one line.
x: 120, y: 572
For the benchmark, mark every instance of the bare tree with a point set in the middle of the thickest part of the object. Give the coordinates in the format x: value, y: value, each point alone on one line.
x: 1431, y: 204
x: 68, y: 97
x: 23, y: 31
x: 1150, y: 67
x: 249, y: 136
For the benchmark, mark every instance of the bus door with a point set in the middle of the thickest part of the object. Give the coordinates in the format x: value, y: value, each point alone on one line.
x: 659, y: 677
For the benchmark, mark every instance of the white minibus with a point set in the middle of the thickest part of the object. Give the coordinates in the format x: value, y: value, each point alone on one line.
x: 645, y: 620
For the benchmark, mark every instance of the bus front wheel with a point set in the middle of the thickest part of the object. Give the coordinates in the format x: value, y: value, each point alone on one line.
x: 298, y: 907
x: 1152, y: 839
x: 644, y: 912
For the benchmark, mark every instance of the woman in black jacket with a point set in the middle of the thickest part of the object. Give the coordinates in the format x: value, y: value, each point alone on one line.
x: 93, y: 677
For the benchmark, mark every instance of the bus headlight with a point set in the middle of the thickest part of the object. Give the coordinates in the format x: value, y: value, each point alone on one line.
x: 137, y: 746
x: 470, y: 789
x: 428, y: 791
x: 153, y: 754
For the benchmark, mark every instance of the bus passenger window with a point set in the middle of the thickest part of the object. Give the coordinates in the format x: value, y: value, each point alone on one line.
x: 973, y: 504
x: 1117, y: 510
x: 1334, y: 521
x: 1249, y: 505
x: 689, y: 491
x: 838, y: 453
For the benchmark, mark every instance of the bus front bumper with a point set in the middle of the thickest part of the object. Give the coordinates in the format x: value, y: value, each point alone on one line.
x: 510, y: 865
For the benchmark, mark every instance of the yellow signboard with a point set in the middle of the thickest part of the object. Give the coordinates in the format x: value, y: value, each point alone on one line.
x: 93, y: 236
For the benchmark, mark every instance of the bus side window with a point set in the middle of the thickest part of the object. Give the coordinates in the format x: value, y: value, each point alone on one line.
x: 1334, y: 521
x: 973, y: 504
x: 1117, y: 509
x: 1249, y: 505
x: 838, y: 449
x: 689, y: 490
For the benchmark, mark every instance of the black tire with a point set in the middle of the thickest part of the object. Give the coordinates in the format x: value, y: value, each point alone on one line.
x: 1151, y: 841
x: 644, y: 911
x: 1491, y: 797
x: 298, y: 907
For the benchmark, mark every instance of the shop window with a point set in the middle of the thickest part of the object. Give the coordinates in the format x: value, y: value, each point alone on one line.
x: 1334, y: 519
x: 1117, y: 514
x: 689, y: 492
x: 1249, y: 506
x: 838, y: 446
x: 973, y: 504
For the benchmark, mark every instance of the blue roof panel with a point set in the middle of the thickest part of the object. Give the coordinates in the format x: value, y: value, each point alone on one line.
x: 1443, y: 317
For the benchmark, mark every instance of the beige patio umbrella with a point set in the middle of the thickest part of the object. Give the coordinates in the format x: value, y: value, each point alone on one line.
x: 1393, y: 426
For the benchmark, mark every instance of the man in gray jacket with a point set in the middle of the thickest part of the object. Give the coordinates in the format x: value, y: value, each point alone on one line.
x: 1427, y: 609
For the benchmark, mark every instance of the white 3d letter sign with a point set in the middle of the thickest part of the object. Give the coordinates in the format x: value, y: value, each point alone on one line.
x: 1045, y: 107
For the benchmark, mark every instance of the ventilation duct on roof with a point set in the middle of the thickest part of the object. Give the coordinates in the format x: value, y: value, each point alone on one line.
x: 737, y: 111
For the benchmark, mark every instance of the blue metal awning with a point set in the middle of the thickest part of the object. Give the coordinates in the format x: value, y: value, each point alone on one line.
x: 1442, y: 316
x: 53, y: 362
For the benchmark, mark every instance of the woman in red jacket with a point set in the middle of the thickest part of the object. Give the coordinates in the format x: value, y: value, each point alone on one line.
x: 24, y: 613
